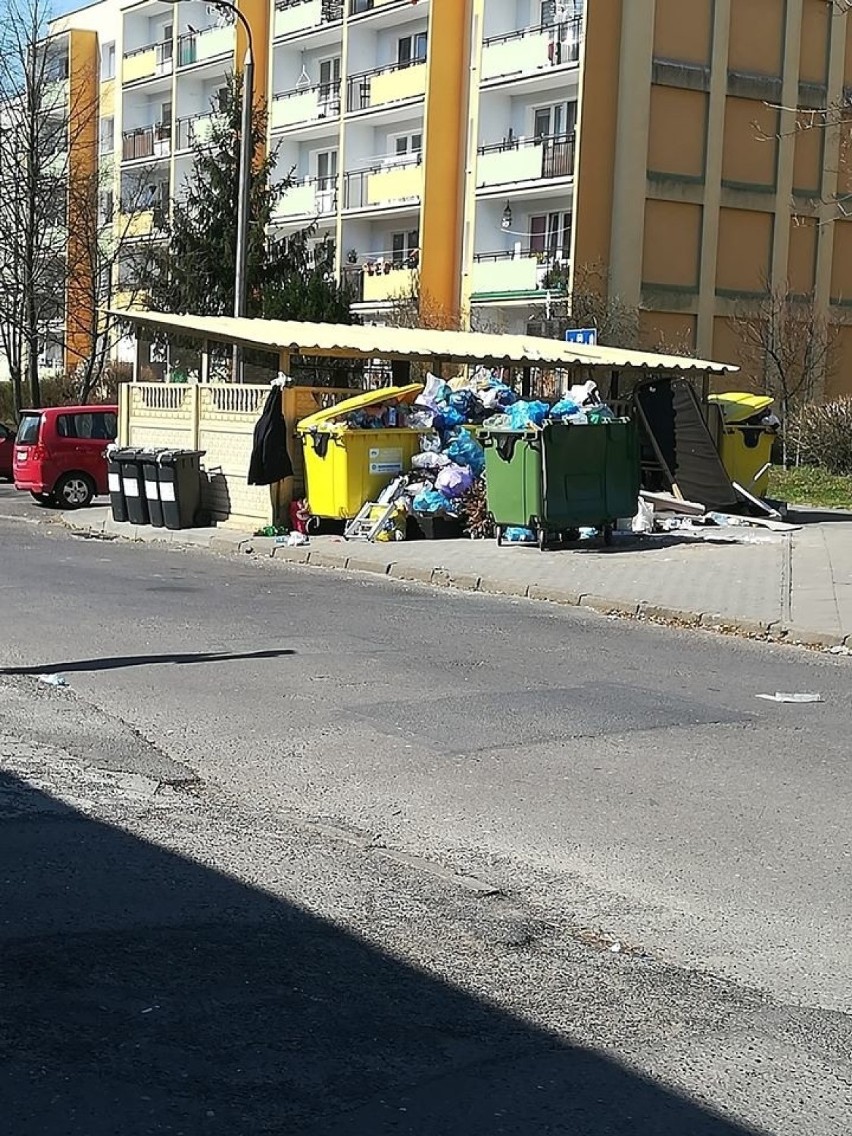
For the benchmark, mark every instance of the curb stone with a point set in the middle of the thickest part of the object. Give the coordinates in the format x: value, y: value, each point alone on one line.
x: 442, y: 577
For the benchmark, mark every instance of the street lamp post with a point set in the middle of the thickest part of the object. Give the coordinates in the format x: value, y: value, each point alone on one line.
x: 244, y: 186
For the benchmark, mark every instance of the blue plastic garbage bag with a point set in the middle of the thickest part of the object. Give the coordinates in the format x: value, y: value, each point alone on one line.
x: 523, y: 415
x: 431, y: 502
x: 519, y: 536
x: 454, y: 480
x: 447, y: 421
x: 466, y: 404
x: 564, y: 408
x: 465, y: 450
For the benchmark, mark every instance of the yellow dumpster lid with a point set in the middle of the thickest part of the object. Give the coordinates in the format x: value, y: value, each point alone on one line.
x: 365, y: 398
x: 737, y: 406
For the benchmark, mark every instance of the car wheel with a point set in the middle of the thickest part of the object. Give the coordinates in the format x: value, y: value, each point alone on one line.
x: 74, y: 490
x: 42, y: 498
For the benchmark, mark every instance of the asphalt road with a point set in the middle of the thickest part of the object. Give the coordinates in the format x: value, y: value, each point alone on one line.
x: 341, y: 855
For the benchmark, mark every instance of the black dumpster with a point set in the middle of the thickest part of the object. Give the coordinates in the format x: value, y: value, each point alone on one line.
x: 133, y: 484
x: 151, y: 474
x: 179, y: 476
x: 116, y: 493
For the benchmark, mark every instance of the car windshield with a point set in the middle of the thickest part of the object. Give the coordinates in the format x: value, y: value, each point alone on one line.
x: 28, y: 429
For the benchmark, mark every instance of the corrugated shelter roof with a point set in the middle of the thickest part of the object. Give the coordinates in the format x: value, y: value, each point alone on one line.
x: 368, y: 341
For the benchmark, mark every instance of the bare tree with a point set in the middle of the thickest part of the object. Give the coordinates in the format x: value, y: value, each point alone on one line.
x: 791, y: 346
x: 585, y: 303
x: 114, y: 251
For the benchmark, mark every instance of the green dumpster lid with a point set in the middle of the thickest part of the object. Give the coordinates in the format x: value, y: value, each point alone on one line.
x: 365, y: 398
x: 737, y: 406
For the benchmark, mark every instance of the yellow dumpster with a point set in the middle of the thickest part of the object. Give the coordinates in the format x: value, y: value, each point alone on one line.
x: 346, y: 466
x: 745, y: 440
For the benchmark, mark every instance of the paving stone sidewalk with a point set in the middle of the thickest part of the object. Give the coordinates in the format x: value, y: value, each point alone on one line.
x: 796, y: 586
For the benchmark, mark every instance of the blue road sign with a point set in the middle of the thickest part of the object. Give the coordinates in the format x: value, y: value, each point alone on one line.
x: 588, y: 336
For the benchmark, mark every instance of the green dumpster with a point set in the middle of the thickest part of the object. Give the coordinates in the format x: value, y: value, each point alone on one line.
x: 562, y: 478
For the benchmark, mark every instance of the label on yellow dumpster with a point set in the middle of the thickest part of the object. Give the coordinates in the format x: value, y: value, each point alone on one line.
x: 385, y: 461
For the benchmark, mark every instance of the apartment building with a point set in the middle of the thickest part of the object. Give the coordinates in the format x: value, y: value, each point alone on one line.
x: 478, y: 152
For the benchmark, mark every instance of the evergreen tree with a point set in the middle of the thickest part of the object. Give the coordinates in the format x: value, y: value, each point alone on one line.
x: 287, y: 278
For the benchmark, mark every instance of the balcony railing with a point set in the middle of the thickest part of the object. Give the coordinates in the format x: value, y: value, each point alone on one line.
x: 305, y: 104
x: 517, y: 270
x: 147, y: 62
x: 147, y: 142
x: 384, y: 276
x: 393, y: 182
x: 530, y: 50
x: 292, y: 16
x: 194, y: 128
x: 358, y: 7
x: 310, y: 197
x: 210, y: 43
x: 396, y: 83
x: 525, y: 159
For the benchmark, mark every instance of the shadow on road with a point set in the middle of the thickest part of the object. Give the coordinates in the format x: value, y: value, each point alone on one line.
x: 146, y: 994
x: 117, y: 662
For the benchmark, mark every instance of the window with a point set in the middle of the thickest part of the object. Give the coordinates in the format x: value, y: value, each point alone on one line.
x: 329, y: 73
x: 554, y: 120
x: 550, y: 235
x: 408, y: 145
x: 102, y: 427
x: 107, y: 134
x: 326, y: 167
x: 29, y: 429
x: 220, y: 100
x: 406, y: 248
x: 108, y: 62
x: 411, y: 49
x: 167, y: 41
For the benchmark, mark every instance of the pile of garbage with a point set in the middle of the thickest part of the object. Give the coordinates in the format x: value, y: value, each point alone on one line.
x: 447, y: 475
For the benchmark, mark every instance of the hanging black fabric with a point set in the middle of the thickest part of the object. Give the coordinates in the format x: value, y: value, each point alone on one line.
x: 270, y: 461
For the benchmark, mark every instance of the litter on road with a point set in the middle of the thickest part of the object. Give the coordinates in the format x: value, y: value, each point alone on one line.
x: 795, y: 698
x: 53, y: 680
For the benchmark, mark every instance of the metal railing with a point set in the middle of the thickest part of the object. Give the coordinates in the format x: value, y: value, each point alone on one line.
x: 186, y: 129
x: 557, y: 152
x: 564, y: 32
x: 332, y: 10
x: 325, y: 195
x: 547, y: 258
x: 146, y: 142
x: 358, y: 86
x: 328, y: 97
x: 355, y: 182
x: 358, y: 7
x: 187, y: 53
x: 163, y: 49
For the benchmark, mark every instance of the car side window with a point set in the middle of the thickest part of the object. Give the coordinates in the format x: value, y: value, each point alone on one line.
x: 64, y: 426
x: 109, y: 426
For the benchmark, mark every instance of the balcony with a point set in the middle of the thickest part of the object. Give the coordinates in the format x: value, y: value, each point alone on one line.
x: 193, y: 129
x: 385, y: 85
x: 147, y: 62
x: 518, y: 272
x: 294, y: 16
x: 524, y: 160
x: 382, y: 279
x: 531, y: 50
x: 147, y: 142
x: 141, y: 223
x: 304, y: 105
x: 358, y: 7
x: 310, y: 197
x: 211, y: 43
x: 391, y: 183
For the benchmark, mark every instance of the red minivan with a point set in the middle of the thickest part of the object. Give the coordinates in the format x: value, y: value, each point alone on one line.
x: 60, y: 453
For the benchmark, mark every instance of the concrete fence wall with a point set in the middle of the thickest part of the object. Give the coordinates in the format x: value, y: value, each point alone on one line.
x: 219, y: 418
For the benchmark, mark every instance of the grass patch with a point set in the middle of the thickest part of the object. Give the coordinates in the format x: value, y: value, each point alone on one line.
x: 810, y: 485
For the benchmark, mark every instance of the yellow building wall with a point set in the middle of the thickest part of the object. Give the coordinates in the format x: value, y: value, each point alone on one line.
x: 814, y: 41
x: 750, y: 152
x: 445, y: 126
x: 801, y: 263
x: 807, y: 162
x: 672, y: 244
x: 838, y: 381
x: 83, y: 89
x: 678, y: 132
x: 593, y: 196
x: 682, y: 30
x: 757, y: 36
x: 728, y: 346
x: 667, y: 331
x: 745, y: 244
x: 841, y: 268
x: 257, y: 12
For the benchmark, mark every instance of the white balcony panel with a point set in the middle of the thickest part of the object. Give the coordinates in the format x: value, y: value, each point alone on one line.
x: 300, y: 18
x: 499, y: 167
